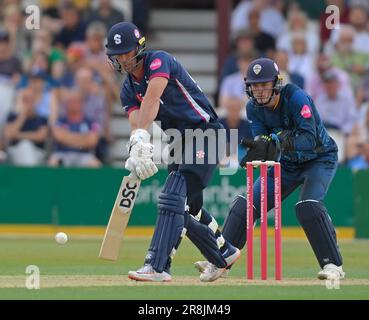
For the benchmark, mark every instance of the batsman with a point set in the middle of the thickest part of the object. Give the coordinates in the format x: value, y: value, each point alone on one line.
x: 286, y: 126
x: 157, y: 87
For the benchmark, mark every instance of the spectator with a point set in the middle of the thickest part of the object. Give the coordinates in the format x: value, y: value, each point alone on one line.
x: 346, y: 58
x: 14, y: 24
x: 271, y: 20
x: 96, y: 108
x: 336, y: 108
x: 300, y: 60
x: 95, y: 59
x: 10, y: 70
x: 242, y: 44
x: 233, y: 86
x: 75, y: 59
x: 281, y: 59
x: 314, y: 85
x: 42, y: 42
x: 298, y: 22
x: 75, y: 135
x: 263, y: 41
x: 106, y: 14
x: 73, y: 29
x: 359, y: 20
x: 10, y: 65
x: 45, y: 97
x: 233, y: 120
x: 358, y: 142
x: 343, y: 18
x: 26, y: 133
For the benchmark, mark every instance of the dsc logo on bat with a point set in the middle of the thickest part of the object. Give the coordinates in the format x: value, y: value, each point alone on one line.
x: 128, y: 194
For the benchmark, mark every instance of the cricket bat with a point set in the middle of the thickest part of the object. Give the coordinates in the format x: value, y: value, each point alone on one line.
x: 119, y: 217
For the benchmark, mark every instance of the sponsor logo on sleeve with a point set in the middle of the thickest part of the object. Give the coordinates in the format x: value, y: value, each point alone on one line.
x: 156, y: 64
x: 305, y: 112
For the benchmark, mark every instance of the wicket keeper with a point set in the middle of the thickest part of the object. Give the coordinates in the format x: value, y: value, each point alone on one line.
x: 157, y: 87
x: 286, y: 116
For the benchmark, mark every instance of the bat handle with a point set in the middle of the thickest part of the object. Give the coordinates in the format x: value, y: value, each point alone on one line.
x: 132, y: 175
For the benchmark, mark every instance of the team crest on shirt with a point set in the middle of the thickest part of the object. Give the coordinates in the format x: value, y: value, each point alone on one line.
x: 200, y: 154
x: 256, y: 68
x: 305, y: 112
x: 156, y: 64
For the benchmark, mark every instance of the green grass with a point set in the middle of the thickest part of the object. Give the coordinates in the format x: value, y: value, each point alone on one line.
x: 78, y: 259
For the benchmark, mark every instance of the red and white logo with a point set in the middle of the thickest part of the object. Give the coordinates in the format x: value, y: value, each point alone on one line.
x: 156, y: 64
x: 305, y: 112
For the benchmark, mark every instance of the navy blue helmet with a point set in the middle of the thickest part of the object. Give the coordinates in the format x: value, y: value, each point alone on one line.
x: 124, y: 37
x: 259, y: 71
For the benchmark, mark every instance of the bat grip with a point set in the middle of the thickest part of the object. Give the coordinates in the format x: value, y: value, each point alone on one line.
x: 132, y: 175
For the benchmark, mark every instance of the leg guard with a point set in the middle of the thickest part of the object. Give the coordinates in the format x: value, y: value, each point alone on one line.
x: 204, y: 239
x: 170, y: 223
x: 234, y: 229
x: 319, y: 230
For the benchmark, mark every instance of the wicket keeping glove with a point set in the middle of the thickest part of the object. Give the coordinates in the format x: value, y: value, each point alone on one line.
x: 263, y: 148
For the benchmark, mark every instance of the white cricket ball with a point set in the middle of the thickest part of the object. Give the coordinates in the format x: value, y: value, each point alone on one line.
x: 61, y: 238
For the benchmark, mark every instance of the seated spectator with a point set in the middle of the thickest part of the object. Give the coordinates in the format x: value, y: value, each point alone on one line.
x: 345, y: 57
x: 242, y: 44
x: 281, y: 59
x: 10, y: 71
x: 96, y: 108
x: 75, y: 59
x: 38, y: 61
x: 233, y: 120
x: 358, y: 142
x: 298, y: 22
x: 26, y: 133
x: 358, y: 18
x: 314, y: 85
x: 264, y: 42
x: 15, y: 25
x: 73, y: 29
x: 45, y: 97
x: 75, y: 136
x: 300, y: 60
x: 337, y: 108
x: 271, y: 19
x: 233, y: 86
x: 106, y: 14
x: 95, y: 59
x: 42, y: 43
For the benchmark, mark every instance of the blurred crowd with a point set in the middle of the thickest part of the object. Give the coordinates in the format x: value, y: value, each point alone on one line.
x: 332, y: 65
x: 57, y: 90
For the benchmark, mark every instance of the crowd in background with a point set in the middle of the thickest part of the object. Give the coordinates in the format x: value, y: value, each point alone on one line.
x: 332, y: 65
x: 57, y: 91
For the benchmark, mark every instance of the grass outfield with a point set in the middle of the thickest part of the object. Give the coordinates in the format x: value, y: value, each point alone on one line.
x: 73, y: 271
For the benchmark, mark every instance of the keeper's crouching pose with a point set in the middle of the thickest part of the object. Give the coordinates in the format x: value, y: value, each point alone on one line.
x: 157, y: 87
x: 287, y: 115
